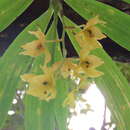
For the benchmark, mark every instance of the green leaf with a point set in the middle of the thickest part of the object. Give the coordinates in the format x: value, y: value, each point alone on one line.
x: 12, y: 65
x: 10, y: 10
x: 47, y: 115
x: 117, y: 22
x: 128, y: 1
x: 112, y: 84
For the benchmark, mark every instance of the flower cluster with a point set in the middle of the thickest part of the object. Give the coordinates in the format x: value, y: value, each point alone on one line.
x: 43, y: 85
x: 88, y: 40
x: 86, y: 65
x: 78, y: 70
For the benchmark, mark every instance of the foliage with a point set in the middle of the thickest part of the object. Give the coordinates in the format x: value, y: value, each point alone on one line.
x: 35, y: 59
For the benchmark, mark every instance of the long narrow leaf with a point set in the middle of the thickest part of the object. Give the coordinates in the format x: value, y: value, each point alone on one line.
x: 128, y: 1
x: 117, y: 22
x: 10, y: 10
x: 12, y: 64
x: 47, y: 115
x: 112, y: 84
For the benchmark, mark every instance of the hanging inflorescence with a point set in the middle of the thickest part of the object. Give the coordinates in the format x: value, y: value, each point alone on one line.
x: 78, y: 70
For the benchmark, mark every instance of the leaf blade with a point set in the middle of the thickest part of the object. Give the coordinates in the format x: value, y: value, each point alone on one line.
x: 49, y: 115
x: 10, y: 10
x: 112, y: 84
x: 12, y: 65
x: 117, y: 22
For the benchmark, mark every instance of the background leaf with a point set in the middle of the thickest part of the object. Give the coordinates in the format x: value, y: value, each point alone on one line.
x: 10, y: 10
x: 117, y: 22
x: 112, y: 84
x: 128, y: 1
x: 12, y: 65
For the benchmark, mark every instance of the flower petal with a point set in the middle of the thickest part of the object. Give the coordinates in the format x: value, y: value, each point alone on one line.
x: 30, y: 45
x: 39, y: 34
x: 97, y: 34
x: 94, y: 21
x: 27, y: 77
x: 93, y: 60
x: 32, y: 53
x: 47, y: 56
x: 93, y: 73
x: 87, y: 42
x: 43, y: 93
x: 34, y: 48
x: 70, y: 100
x: 68, y: 67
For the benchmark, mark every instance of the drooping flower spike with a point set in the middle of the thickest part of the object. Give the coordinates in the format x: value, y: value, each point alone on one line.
x: 43, y: 86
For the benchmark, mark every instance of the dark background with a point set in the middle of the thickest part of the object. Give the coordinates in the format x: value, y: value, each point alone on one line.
x: 40, y: 6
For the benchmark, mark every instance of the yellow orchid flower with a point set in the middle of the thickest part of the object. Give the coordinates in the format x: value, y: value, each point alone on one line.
x: 88, y: 63
x: 70, y: 100
x: 41, y: 86
x: 87, y: 42
x: 36, y: 47
x: 84, y: 84
x: 91, y: 31
x: 90, y: 34
x: 68, y: 68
